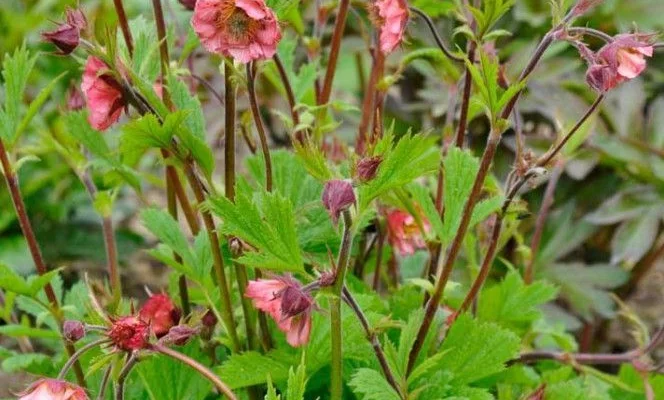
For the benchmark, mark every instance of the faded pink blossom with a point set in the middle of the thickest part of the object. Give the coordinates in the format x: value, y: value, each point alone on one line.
x: 160, y: 312
x: 246, y: 30
x: 284, y: 299
x: 129, y: 333
x: 404, y: 233
x: 103, y: 94
x: 618, y: 61
x: 52, y: 389
x: 391, y: 17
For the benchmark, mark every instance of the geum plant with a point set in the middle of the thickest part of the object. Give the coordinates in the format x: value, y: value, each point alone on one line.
x: 292, y: 279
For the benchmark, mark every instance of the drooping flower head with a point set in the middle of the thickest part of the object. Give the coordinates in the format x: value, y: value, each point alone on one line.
x: 284, y: 299
x: 391, y: 18
x: 618, y: 61
x: 129, y: 333
x: 52, y: 389
x: 103, y: 94
x: 246, y: 30
x: 160, y: 313
x: 404, y: 233
x: 67, y: 35
x: 73, y: 331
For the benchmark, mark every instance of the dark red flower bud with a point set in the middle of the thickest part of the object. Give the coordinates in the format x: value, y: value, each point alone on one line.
x: 327, y: 278
x: 160, y: 312
x: 209, y: 319
x: 294, y: 301
x: 73, y: 331
x: 338, y: 195
x: 179, y: 335
x: 129, y: 333
x: 75, y: 17
x: 65, y: 37
x: 367, y: 168
x: 188, y: 4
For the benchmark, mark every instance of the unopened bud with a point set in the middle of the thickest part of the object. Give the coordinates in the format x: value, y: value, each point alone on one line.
x: 338, y: 196
x: 178, y: 335
x: 73, y: 331
x: 367, y: 168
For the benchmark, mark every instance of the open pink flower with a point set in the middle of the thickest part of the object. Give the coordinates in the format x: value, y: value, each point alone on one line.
x: 243, y: 29
x: 618, y: 61
x: 160, y: 312
x: 287, y: 303
x: 103, y: 94
x: 391, y: 17
x: 404, y: 233
x: 52, y: 389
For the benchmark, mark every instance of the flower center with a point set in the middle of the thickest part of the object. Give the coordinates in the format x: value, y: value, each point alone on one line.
x: 236, y: 22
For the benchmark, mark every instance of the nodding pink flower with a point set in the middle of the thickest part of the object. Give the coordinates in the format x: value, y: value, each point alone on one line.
x: 246, y: 30
x: 391, y: 17
x: 103, y: 94
x: 618, y: 61
x: 160, y: 313
x: 404, y: 233
x: 129, y: 333
x: 284, y: 299
x: 53, y: 389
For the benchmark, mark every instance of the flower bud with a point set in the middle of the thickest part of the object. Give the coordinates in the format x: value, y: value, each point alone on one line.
x: 338, y: 196
x: 178, y: 335
x: 583, y: 6
x: 160, y: 312
x: 367, y: 168
x: 67, y: 35
x: 73, y: 331
x: 209, y: 319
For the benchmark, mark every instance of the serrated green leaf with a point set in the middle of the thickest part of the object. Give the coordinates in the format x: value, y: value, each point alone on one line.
x: 297, y: 382
x: 460, y: 171
x: 34, y: 107
x: 372, y: 385
x: 476, y: 349
x: 77, y: 126
x: 252, y: 368
x: 16, y: 69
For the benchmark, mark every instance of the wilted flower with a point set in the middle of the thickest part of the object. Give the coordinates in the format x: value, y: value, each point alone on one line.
x: 391, y: 17
x: 129, y: 333
x: 103, y: 94
x: 287, y: 303
x: 160, y: 312
x: 243, y: 29
x: 367, y: 168
x: 73, y: 331
x: 52, y: 389
x: 338, y: 195
x: 404, y: 233
x: 618, y: 61
x: 67, y: 35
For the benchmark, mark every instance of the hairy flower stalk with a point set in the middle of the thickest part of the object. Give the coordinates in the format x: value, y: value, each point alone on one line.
x: 335, y: 47
x: 260, y: 127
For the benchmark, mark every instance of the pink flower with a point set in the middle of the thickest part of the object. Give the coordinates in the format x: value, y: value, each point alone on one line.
x: 160, y: 312
x: 284, y: 299
x: 129, y: 333
x: 243, y: 29
x: 403, y: 232
x: 618, y: 61
x: 391, y: 17
x: 52, y: 389
x: 103, y: 94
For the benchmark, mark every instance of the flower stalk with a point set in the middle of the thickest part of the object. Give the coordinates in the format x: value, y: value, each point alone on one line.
x: 335, y: 46
x: 260, y: 127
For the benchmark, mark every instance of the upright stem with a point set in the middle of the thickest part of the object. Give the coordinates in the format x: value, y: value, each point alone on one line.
x: 229, y: 181
x: 124, y: 25
x: 336, y: 379
x: 290, y: 96
x: 259, y: 126
x: 171, y: 194
x: 200, y: 368
x: 465, y: 100
x: 547, y: 202
x: 335, y: 46
x: 122, y: 377
x: 218, y: 260
x: 33, y: 247
x: 373, y: 339
x: 369, y: 101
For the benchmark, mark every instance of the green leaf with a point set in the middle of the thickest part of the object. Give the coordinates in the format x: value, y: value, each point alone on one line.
x: 34, y: 363
x: 635, y: 237
x: 267, y: 223
x: 297, y: 382
x: 142, y: 134
x: 407, y: 339
x: 271, y: 391
x: 23, y: 331
x: 252, y: 368
x: 460, y: 172
x: 282, y: 7
x: 476, y: 349
x: 11, y: 281
x: 372, y: 385
x: 16, y: 69
x: 191, y: 105
x: 77, y: 125
x: 512, y: 303
x: 412, y: 156
x: 423, y: 197
x: 35, y: 105
x: 168, y: 231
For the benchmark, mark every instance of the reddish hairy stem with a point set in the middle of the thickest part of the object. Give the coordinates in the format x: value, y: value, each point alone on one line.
x: 335, y: 46
x: 465, y: 101
x: 251, y: 89
x: 379, y: 256
x: 370, y: 98
x: 200, y: 368
x: 124, y: 25
x: 547, y: 202
x: 290, y: 96
x: 33, y: 247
